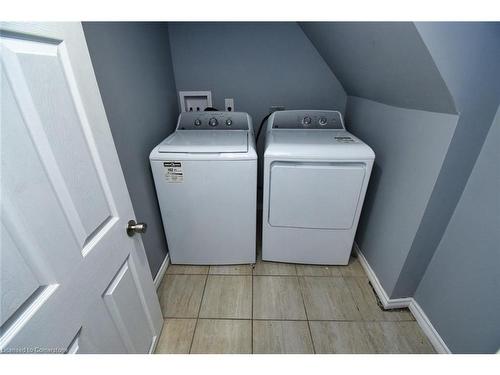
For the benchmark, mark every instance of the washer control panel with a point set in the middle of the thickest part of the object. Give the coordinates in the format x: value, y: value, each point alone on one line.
x: 312, y: 119
x: 212, y: 120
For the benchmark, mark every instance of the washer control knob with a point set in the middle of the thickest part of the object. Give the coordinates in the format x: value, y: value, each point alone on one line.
x: 213, y: 122
x: 306, y: 121
x: 229, y: 122
x: 197, y: 122
x: 323, y: 121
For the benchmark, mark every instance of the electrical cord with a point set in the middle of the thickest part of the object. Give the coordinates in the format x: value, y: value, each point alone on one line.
x: 260, y: 127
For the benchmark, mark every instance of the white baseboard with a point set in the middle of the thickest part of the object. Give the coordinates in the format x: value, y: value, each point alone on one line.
x: 161, y: 271
x: 154, y: 344
x: 429, y: 330
x: 397, y: 303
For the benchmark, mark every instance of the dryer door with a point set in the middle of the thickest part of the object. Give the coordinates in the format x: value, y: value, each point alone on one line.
x: 314, y: 195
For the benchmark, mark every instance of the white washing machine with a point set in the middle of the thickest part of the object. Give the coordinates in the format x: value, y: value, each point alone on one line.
x: 206, y: 175
x: 315, y: 180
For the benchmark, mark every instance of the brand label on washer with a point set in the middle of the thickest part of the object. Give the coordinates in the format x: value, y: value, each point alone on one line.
x: 173, y: 171
x: 344, y: 139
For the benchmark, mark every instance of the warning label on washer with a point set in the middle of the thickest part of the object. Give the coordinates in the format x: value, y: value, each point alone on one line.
x: 173, y: 171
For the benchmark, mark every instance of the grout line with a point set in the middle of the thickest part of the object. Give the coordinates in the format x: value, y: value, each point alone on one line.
x: 299, y: 320
x: 198, y: 316
x: 267, y: 274
x: 192, y: 337
x: 251, y: 314
x: 276, y: 275
x: 305, y: 310
x: 179, y: 318
x: 210, y: 274
x: 284, y: 276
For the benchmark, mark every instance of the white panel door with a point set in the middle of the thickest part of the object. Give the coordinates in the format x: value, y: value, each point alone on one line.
x: 71, y: 280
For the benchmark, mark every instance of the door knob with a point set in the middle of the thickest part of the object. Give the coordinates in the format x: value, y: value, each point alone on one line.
x: 133, y: 228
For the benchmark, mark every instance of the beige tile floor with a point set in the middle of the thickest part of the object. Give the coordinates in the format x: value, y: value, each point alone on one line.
x: 280, y: 308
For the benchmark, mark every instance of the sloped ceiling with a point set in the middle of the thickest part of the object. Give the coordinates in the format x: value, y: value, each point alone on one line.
x: 382, y: 61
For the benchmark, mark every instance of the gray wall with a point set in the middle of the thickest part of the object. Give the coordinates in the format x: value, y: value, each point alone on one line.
x: 382, y: 61
x: 410, y: 147
x: 133, y: 67
x: 259, y: 64
x: 460, y: 289
x: 468, y: 57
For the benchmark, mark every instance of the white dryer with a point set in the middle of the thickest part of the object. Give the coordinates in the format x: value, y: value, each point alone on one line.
x: 315, y: 180
x: 205, y: 175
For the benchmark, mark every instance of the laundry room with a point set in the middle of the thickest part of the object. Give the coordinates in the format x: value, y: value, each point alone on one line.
x: 394, y: 86
x: 257, y: 187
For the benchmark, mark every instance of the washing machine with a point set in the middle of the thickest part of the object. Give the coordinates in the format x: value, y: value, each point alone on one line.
x: 315, y: 179
x: 205, y: 175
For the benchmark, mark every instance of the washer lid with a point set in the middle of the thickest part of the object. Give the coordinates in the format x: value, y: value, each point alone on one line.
x: 205, y: 141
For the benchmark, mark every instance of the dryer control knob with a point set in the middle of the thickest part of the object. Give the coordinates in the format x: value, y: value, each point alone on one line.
x: 213, y: 122
x: 229, y: 122
x: 197, y: 122
x: 323, y: 121
x: 306, y: 121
